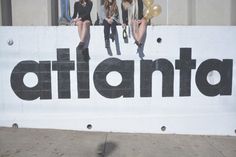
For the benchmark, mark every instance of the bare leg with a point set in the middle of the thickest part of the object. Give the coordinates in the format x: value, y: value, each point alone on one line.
x: 141, y: 30
x: 79, y: 24
x: 85, y: 30
x: 87, y: 39
x: 135, y: 29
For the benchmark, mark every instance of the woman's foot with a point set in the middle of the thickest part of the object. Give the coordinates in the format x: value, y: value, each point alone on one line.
x: 118, y: 53
x: 109, y: 52
x: 140, y: 53
x: 118, y: 50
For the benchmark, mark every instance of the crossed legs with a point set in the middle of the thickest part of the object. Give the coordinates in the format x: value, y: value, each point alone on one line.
x: 83, y: 29
x: 139, y: 29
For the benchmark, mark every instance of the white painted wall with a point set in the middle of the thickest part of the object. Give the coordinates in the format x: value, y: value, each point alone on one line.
x: 31, y: 12
x: 196, y: 12
x: 233, y: 12
x: 178, y: 12
x: 72, y: 2
x: 0, y: 13
x: 196, y: 114
x: 213, y: 12
x: 94, y: 10
x: 174, y: 12
x: 161, y: 20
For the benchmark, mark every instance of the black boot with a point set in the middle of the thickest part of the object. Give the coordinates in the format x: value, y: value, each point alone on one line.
x: 140, y: 53
x: 112, y: 36
x: 86, y: 56
x: 107, y: 43
x: 109, y: 52
x: 81, y: 45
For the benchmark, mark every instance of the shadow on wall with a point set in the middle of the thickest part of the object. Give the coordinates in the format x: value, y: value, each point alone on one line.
x: 106, y: 149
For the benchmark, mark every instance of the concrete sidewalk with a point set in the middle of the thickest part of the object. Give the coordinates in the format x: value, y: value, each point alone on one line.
x: 57, y: 143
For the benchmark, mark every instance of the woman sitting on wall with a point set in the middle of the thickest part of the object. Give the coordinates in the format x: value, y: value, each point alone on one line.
x: 82, y: 19
x: 110, y: 20
x: 132, y: 14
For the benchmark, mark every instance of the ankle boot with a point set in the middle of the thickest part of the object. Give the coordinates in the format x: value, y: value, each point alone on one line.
x: 107, y: 43
x: 86, y: 56
x: 81, y: 45
x: 109, y: 52
x: 118, y: 50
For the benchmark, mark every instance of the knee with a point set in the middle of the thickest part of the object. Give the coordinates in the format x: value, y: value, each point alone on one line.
x: 78, y: 23
x: 87, y: 23
x: 114, y: 23
x: 144, y: 21
x: 133, y: 22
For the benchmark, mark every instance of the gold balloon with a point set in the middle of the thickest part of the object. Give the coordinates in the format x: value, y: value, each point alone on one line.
x: 156, y: 10
x: 148, y: 3
x: 147, y: 14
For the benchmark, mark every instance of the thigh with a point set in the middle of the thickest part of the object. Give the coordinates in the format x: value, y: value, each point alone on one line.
x: 87, y: 23
x: 79, y: 23
x: 134, y: 26
x: 106, y: 24
x: 143, y: 23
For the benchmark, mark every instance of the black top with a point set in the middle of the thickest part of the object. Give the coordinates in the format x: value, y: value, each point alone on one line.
x: 83, y: 12
x: 125, y: 12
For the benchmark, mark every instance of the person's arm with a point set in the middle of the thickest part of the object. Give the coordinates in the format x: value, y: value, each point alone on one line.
x: 75, y: 10
x: 115, y: 17
x: 124, y: 15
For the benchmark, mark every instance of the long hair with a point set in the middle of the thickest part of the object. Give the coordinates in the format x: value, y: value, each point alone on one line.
x: 82, y: 1
x: 129, y: 1
x: 114, y: 8
x: 126, y: 3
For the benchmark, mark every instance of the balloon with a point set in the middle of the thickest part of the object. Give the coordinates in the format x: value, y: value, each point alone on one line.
x: 148, y: 3
x: 147, y: 14
x: 156, y: 10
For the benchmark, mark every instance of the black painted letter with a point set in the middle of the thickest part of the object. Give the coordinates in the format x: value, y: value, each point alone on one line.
x: 82, y: 75
x: 43, y: 88
x: 224, y: 87
x: 185, y: 65
x: 63, y: 66
x: 125, y: 68
x: 147, y: 68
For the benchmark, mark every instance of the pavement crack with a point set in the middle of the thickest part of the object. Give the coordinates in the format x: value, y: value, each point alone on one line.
x: 104, y: 148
